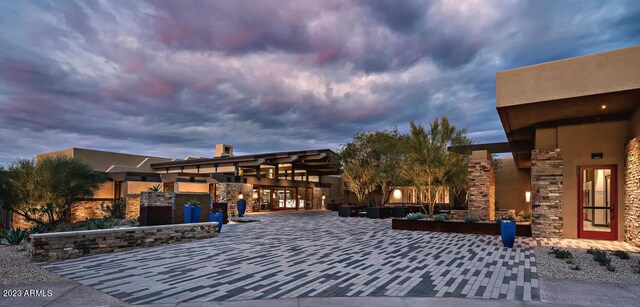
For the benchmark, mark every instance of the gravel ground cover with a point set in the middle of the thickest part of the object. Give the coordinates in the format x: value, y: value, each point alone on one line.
x: 16, y: 267
x: 551, y: 267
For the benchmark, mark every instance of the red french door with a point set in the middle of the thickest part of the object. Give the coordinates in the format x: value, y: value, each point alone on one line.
x: 597, y: 202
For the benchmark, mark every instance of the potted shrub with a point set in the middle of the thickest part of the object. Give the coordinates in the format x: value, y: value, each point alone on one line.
x: 507, y: 230
x: 192, y: 211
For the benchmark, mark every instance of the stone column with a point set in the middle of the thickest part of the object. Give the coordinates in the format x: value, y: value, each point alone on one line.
x: 318, y: 202
x: 229, y: 192
x: 546, y: 186
x: 632, y: 193
x: 482, y: 186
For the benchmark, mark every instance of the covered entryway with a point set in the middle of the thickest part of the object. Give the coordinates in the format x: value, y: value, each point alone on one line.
x: 597, y: 199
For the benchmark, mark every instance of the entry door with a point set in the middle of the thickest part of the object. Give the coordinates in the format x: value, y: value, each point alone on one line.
x: 597, y: 196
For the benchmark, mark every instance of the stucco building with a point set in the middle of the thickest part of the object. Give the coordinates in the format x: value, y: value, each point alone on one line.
x: 573, y: 129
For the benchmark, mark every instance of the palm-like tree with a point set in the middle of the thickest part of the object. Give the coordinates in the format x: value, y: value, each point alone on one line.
x: 431, y: 168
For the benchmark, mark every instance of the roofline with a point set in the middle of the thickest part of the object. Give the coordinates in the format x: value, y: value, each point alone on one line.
x: 568, y: 59
x: 233, y: 159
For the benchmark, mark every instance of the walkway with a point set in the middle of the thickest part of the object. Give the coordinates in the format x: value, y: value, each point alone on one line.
x: 314, y: 254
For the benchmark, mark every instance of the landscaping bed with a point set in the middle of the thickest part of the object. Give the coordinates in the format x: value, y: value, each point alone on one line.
x: 625, y: 270
x: 16, y: 267
x: 484, y: 228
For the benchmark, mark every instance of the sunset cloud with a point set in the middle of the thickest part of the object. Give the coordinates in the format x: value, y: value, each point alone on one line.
x: 172, y: 78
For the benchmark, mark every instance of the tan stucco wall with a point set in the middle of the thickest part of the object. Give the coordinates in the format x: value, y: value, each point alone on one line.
x: 105, y: 190
x: 511, y: 186
x: 546, y: 138
x: 605, y: 72
x: 135, y: 187
x: 192, y: 187
x: 577, y: 143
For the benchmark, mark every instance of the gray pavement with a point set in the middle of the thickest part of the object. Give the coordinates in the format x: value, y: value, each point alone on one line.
x: 313, y: 254
x: 589, y: 293
x: 72, y: 294
x: 554, y: 292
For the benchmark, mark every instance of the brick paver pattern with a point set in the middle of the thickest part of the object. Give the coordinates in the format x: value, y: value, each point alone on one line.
x: 313, y: 254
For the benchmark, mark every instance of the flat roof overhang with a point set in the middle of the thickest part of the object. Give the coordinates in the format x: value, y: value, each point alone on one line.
x: 494, y: 148
x: 315, y: 162
x: 566, y: 92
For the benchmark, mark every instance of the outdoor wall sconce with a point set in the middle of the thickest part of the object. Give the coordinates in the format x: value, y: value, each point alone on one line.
x: 240, y: 196
x: 323, y: 197
x: 527, y: 196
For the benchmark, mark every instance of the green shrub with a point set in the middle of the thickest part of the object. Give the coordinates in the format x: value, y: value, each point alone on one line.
x: 526, y: 217
x: 611, y: 268
x: 441, y: 217
x: 601, y: 257
x: 470, y: 218
x: 415, y: 216
x: 561, y: 253
x: 103, y: 223
x: 193, y: 203
x: 621, y: 254
x: 38, y: 228
x: 62, y: 227
x: 592, y: 251
x: 14, y: 236
x: 116, y: 210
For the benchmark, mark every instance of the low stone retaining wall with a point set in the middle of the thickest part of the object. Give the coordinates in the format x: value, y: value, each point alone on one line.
x: 74, y: 244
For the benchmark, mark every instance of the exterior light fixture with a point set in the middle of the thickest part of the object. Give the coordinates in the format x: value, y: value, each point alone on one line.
x: 603, y: 107
x: 240, y: 196
x: 323, y: 197
x: 397, y: 194
x: 527, y: 196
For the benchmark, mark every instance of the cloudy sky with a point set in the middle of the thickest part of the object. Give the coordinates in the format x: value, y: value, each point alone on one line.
x: 172, y: 78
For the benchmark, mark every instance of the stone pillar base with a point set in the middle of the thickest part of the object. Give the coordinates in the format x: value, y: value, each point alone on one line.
x: 547, y: 189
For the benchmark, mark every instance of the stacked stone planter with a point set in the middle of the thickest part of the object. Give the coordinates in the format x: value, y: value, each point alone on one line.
x: 74, y: 244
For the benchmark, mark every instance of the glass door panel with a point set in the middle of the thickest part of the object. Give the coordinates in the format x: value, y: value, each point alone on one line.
x: 290, y: 194
x: 265, y: 199
x: 598, y: 202
x: 279, y: 198
x: 302, y: 198
x: 309, y: 202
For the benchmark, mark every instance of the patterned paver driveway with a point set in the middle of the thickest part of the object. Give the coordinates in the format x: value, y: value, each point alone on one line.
x: 313, y: 254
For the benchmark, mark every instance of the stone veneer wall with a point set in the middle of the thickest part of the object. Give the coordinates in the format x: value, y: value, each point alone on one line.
x: 74, y: 244
x: 632, y: 193
x: 482, y: 189
x: 81, y: 211
x: 89, y: 210
x: 317, y: 198
x: 132, y: 207
x: 229, y: 191
x: 546, y: 185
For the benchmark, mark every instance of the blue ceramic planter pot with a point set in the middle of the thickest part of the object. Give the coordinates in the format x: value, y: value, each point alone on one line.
x: 187, y: 214
x: 242, y: 206
x: 508, y: 233
x: 216, y: 217
x: 195, y: 214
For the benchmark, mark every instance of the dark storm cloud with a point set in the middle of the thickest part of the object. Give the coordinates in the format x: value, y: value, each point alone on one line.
x: 172, y: 78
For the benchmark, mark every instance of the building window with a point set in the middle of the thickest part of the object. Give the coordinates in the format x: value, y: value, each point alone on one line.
x: 118, y: 192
